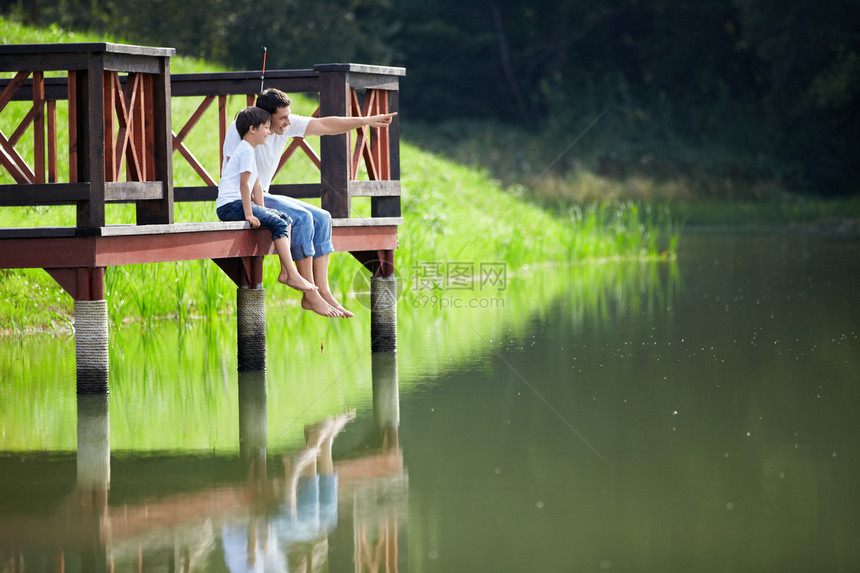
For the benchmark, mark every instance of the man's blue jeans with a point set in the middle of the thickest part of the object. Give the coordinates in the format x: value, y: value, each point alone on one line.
x: 311, y: 233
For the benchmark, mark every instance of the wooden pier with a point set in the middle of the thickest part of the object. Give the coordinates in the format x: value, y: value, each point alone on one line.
x: 121, y: 148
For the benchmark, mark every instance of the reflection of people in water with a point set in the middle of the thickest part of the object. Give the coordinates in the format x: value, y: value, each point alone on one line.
x: 296, y: 537
x: 249, y: 548
x: 309, y: 511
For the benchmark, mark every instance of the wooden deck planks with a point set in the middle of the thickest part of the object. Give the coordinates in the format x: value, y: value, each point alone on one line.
x: 137, y: 244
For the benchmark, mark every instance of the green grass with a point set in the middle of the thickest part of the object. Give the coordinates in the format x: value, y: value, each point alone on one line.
x: 452, y: 213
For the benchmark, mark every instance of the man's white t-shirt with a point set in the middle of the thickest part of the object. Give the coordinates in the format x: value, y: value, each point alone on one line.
x: 269, y: 154
x: 242, y: 160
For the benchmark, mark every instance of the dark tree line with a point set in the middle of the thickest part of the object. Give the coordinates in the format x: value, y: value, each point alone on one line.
x: 770, y: 77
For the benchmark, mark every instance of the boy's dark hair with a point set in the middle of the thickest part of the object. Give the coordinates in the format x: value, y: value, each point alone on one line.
x: 251, y: 116
x: 271, y: 99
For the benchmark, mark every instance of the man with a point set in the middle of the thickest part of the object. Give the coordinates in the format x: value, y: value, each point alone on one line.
x: 311, y: 231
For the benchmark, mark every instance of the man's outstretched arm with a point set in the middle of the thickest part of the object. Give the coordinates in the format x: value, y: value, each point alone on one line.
x: 333, y: 125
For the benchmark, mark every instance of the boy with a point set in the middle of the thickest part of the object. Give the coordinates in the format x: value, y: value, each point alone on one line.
x: 240, y: 196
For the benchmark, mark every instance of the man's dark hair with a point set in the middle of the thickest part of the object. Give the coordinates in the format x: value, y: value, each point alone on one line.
x: 251, y: 116
x: 271, y: 99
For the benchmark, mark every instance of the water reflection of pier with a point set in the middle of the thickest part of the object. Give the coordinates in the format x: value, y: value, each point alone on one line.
x: 301, y: 511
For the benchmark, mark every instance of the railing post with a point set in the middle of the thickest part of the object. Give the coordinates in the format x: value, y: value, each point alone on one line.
x: 160, y: 210
x: 334, y: 149
x: 390, y: 206
x: 75, y: 93
x: 39, y: 126
x: 91, y: 139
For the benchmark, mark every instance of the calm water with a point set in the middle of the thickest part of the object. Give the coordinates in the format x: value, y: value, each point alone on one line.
x: 693, y: 417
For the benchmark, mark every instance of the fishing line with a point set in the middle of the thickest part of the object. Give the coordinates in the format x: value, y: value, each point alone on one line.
x: 572, y: 143
x: 324, y: 390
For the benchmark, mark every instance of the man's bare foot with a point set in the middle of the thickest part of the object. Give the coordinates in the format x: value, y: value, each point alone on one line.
x: 297, y: 282
x: 329, y: 298
x: 314, y: 302
x: 325, y: 429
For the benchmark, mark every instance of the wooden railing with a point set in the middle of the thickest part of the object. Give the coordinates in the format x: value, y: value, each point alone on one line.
x: 108, y: 122
x: 342, y: 89
x: 122, y: 143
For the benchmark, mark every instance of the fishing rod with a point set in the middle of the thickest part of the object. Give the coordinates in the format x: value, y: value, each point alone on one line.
x: 263, y: 77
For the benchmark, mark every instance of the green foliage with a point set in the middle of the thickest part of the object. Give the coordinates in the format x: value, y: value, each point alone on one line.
x: 297, y: 33
x: 810, y: 84
x: 32, y: 302
x: 771, y: 86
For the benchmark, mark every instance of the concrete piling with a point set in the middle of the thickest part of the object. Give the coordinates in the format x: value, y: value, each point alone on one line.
x: 91, y: 346
x: 383, y: 314
x: 251, y: 329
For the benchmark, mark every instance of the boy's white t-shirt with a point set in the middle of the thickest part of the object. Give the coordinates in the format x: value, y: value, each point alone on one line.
x: 268, y: 154
x: 243, y: 160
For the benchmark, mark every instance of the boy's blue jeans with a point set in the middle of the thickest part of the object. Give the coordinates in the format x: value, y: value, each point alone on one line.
x: 276, y: 221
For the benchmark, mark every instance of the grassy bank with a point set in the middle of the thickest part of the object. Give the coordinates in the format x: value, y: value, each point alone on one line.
x: 452, y: 213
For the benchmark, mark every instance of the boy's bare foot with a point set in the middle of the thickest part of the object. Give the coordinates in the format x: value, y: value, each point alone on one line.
x: 297, y: 282
x: 314, y: 302
x: 329, y: 298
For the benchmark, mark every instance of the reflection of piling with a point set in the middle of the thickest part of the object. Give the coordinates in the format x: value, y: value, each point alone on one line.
x: 91, y: 346
x: 251, y: 328
x: 253, y: 421
x: 379, y: 503
x: 374, y: 486
x: 93, y: 442
x: 386, y: 399
x: 93, y: 473
x: 383, y: 314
